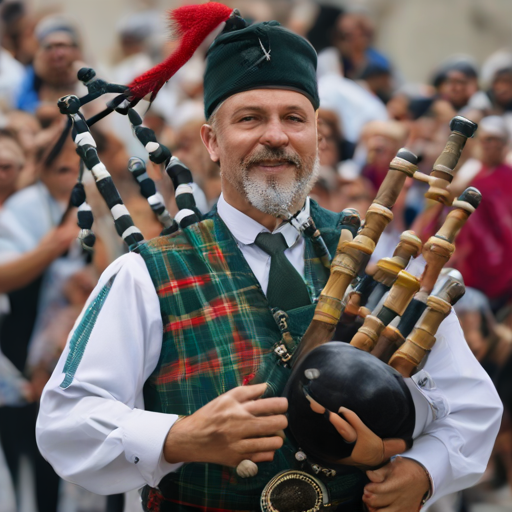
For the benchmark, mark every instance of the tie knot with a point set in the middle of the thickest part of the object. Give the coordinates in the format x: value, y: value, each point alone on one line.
x: 271, y: 243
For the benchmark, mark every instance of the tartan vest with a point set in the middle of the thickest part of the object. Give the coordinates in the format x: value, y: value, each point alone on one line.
x: 219, y: 333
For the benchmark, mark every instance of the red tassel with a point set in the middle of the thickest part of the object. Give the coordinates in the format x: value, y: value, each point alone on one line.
x: 193, y: 24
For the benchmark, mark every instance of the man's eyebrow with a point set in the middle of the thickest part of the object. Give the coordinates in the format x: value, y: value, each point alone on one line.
x: 248, y: 108
x: 257, y: 108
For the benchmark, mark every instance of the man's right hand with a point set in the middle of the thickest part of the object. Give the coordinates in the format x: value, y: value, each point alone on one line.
x: 235, y: 426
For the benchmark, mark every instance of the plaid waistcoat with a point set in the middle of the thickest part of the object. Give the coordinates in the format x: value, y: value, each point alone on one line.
x: 219, y: 333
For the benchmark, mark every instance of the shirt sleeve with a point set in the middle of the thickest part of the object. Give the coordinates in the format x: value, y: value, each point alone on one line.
x: 92, y: 426
x: 456, y: 447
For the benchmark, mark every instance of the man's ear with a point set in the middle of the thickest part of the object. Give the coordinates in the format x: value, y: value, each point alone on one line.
x: 209, y: 138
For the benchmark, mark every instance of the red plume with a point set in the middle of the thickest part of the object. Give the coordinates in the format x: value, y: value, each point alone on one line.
x: 193, y: 24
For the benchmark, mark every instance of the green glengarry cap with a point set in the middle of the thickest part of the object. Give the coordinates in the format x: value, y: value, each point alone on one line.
x: 261, y: 56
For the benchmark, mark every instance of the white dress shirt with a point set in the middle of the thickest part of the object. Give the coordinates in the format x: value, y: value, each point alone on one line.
x: 97, y: 434
x: 245, y: 230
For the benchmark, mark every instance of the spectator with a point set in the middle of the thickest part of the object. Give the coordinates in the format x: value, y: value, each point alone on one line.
x: 456, y: 81
x: 354, y: 105
x: 12, y: 161
x: 12, y: 72
x: 191, y: 151
x: 484, y: 245
x: 53, y: 73
x: 33, y: 238
x: 17, y: 31
x: 353, y: 39
x: 382, y: 140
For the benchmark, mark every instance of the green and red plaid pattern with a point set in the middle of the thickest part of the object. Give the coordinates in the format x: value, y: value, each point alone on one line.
x: 219, y: 333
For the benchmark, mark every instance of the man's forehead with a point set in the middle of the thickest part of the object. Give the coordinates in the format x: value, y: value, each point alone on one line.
x: 57, y: 37
x: 266, y: 99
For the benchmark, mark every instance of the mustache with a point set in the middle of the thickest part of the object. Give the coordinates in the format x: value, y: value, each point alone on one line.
x: 273, y: 154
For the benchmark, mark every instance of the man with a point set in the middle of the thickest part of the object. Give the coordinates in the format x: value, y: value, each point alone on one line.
x: 12, y: 161
x: 484, y: 244
x: 456, y: 81
x: 32, y: 242
x: 153, y: 373
x: 53, y: 72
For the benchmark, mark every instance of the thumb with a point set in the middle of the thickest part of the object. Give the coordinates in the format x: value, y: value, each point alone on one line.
x: 378, y: 476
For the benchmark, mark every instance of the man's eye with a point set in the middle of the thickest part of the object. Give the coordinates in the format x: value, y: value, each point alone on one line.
x: 296, y: 119
x: 247, y: 118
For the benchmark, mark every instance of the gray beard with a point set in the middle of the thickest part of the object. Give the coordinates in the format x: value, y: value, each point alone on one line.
x: 271, y: 196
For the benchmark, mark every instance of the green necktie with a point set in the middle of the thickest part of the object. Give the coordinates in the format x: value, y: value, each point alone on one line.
x: 286, y: 288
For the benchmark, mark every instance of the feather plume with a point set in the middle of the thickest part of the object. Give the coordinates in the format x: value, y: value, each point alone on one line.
x: 192, y: 24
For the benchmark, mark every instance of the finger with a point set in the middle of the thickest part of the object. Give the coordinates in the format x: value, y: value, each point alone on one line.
x: 267, y: 406
x: 263, y: 456
x: 354, y: 420
x: 376, y: 500
x: 265, y: 426
x: 262, y: 444
x: 344, y: 428
x: 245, y: 393
x: 378, y: 475
x: 315, y: 406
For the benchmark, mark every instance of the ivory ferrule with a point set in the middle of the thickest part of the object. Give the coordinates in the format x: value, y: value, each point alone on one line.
x: 400, y: 164
x: 464, y: 206
x: 438, y: 246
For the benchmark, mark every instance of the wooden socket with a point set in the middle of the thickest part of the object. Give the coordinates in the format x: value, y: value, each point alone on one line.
x: 368, y: 334
x: 387, y: 344
x: 402, y: 292
x: 422, y: 338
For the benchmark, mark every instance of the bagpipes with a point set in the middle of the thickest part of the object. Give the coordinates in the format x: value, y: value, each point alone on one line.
x: 367, y: 375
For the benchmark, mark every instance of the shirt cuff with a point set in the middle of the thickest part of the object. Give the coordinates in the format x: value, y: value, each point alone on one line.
x: 144, y: 436
x: 433, y: 456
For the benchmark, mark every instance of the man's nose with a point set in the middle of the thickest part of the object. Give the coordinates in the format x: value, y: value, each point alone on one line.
x: 274, y: 135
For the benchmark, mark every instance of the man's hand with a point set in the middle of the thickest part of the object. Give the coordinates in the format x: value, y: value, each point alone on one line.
x: 233, y: 427
x: 399, y: 486
x: 369, y: 449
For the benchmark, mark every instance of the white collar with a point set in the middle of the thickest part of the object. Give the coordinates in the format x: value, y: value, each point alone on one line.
x: 245, y: 229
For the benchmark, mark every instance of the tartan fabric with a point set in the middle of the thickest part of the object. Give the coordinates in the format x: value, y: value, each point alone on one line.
x: 219, y: 333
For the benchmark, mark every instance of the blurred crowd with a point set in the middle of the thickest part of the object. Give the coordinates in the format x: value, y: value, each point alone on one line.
x: 367, y: 113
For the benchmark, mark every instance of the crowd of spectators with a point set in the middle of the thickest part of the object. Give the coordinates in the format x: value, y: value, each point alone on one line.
x: 367, y: 113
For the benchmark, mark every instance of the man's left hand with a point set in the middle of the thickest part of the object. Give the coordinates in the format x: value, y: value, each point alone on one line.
x: 399, y: 486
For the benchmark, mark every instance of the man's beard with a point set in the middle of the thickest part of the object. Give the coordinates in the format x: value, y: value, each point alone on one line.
x: 275, y: 195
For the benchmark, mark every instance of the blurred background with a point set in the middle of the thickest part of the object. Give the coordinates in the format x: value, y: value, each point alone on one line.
x: 391, y: 73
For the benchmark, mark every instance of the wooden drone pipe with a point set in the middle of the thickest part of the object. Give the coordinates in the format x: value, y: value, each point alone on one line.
x: 388, y: 268
x: 410, y: 355
x: 395, y: 304
x: 439, y: 248
x: 443, y: 170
